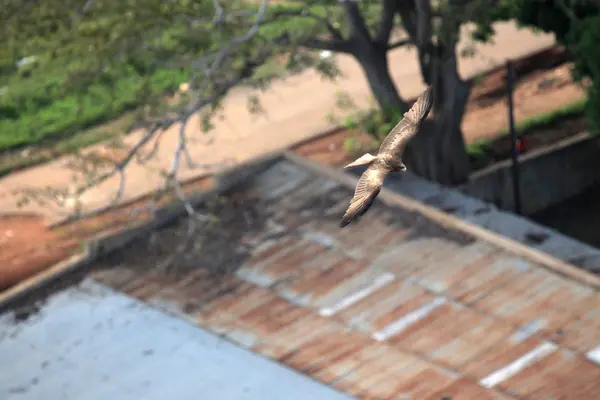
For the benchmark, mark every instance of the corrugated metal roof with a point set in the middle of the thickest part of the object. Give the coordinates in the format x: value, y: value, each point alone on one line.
x: 89, y: 342
x: 396, y: 306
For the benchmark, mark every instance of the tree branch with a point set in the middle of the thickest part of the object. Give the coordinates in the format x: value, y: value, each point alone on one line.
x: 407, y: 12
x: 386, y: 23
x: 209, y: 92
x: 416, y: 19
x: 338, y: 46
x: 335, y: 33
x: 399, y: 43
x: 356, y: 22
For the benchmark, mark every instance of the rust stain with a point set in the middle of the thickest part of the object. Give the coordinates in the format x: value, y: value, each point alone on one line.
x: 499, y: 355
x: 560, y: 376
x: 366, y: 375
x: 471, y: 343
x: 581, y: 335
x: 447, y: 324
x: 413, y: 303
x: 465, y: 389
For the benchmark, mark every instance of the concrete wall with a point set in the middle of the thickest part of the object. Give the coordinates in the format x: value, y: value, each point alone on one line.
x: 548, y: 176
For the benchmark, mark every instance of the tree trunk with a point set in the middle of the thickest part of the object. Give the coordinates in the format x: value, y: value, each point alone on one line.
x: 438, y: 153
x: 375, y: 67
x: 452, y: 150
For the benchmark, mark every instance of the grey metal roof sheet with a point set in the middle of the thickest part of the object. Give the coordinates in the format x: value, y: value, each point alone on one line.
x: 89, y: 342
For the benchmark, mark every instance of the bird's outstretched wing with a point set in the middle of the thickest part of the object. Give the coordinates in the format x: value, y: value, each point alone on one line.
x: 396, y: 140
x: 366, y: 191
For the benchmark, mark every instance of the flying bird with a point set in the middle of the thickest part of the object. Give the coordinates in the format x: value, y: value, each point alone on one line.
x: 388, y: 158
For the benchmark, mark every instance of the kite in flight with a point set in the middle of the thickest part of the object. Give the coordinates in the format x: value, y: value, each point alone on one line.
x: 388, y: 158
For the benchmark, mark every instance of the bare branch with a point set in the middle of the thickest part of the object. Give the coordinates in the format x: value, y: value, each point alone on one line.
x: 338, y: 46
x: 399, y: 43
x: 218, y: 18
x: 407, y: 12
x: 158, y: 128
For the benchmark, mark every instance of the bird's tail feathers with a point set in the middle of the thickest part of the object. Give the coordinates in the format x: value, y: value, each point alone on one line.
x: 362, y: 160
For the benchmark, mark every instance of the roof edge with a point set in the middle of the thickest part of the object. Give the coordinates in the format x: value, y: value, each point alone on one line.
x: 114, y: 239
x: 391, y: 198
x: 231, y: 177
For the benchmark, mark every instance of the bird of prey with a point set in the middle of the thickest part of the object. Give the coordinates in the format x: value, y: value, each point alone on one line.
x: 388, y: 158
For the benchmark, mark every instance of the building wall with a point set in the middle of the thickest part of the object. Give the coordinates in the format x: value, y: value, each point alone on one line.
x: 547, y: 177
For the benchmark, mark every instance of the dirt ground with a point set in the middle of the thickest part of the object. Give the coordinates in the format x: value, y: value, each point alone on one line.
x: 27, y: 246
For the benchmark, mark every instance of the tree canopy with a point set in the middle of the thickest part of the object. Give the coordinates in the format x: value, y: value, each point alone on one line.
x: 576, y: 24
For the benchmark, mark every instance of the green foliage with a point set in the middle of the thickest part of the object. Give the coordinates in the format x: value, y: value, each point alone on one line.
x: 95, y: 60
x: 92, y: 63
x: 32, y: 113
x: 375, y: 122
x: 576, y: 24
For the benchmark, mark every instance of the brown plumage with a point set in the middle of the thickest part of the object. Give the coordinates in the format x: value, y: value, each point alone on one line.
x: 388, y: 158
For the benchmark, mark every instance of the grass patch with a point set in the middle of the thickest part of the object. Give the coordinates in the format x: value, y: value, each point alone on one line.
x: 12, y: 161
x: 550, y: 118
x: 479, y: 150
x: 34, y: 112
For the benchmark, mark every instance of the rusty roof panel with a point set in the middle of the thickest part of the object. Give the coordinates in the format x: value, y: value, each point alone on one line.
x: 393, y: 364
x: 424, y: 384
x: 528, y: 381
x: 536, y: 296
x: 553, y: 378
x: 449, y: 321
x: 500, y: 355
x: 382, y: 301
x: 517, y: 292
x: 351, y: 291
x: 471, y: 343
x: 404, y: 314
x: 295, y: 335
x: 583, y: 334
x: 280, y: 180
x: 347, y: 363
x: 408, y: 257
x: 393, y: 306
x: 323, y: 349
x: 322, y: 282
x: 329, y: 350
x: 497, y: 273
x: 465, y: 389
x: 441, y: 273
x: 287, y: 262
